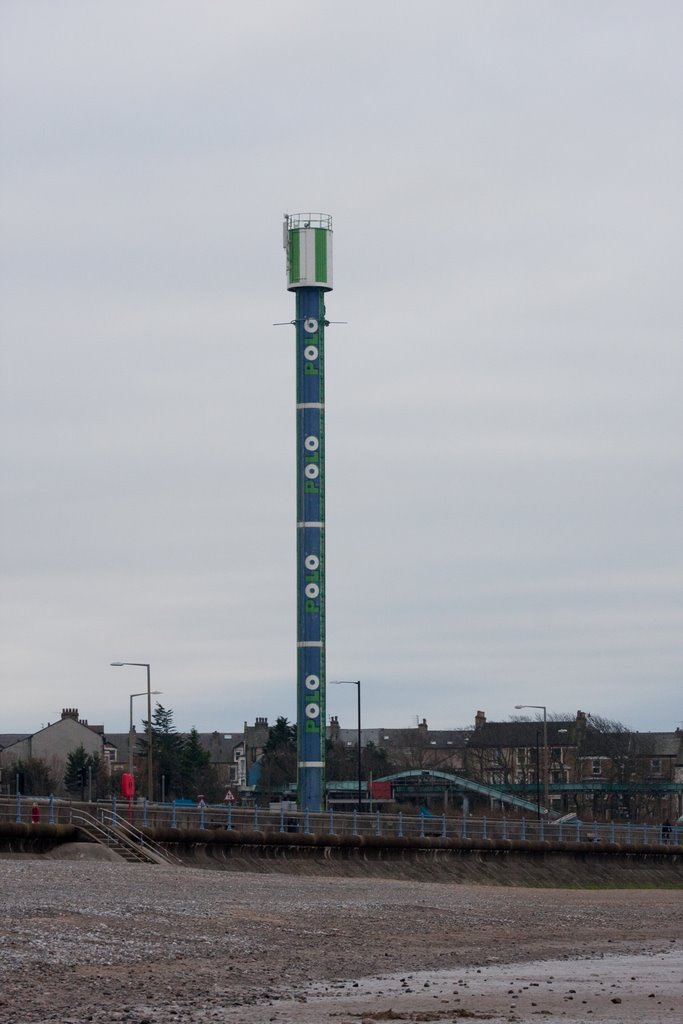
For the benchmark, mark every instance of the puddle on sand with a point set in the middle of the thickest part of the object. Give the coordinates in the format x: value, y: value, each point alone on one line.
x: 644, y: 989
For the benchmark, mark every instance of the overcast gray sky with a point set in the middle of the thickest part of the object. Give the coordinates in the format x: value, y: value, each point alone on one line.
x: 504, y: 417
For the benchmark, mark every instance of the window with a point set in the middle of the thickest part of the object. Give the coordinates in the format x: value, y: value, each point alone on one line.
x: 597, y: 768
x: 656, y: 766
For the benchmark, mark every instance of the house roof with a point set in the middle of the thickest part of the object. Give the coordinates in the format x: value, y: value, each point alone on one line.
x: 659, y: 744
x: 447, y: 737
x: 522, y: 734
x: 590, y: 742
x: 392, y: 739
x: 220, y: 745
x: 350, y: 736
x: 632, y: 744
x: 8, y: 739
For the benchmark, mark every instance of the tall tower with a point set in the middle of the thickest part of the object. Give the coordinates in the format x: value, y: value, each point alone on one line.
x: 308, y: 241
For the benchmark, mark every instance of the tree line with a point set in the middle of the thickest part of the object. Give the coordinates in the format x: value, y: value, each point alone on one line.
x: 279, y: 759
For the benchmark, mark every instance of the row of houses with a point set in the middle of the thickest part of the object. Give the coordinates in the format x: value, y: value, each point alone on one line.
x: 231, y: 752
x: 581, y: 765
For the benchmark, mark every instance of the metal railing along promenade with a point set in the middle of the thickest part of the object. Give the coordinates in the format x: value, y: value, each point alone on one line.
x: 114, y: 832
x: 183, y: 817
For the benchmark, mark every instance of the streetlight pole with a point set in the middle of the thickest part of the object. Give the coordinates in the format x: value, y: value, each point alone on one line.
x: 130, y: 732
x: 354, y: 682
x: 145, y: 665
x: 538, y: 781
x: 546, y: 787
x: 130, y: 728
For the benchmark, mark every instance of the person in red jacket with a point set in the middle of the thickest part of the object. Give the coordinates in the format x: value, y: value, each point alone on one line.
x: 35, y: 814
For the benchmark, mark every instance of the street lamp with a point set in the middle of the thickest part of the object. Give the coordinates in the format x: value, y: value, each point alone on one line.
x: 354, y: 682
x: 144, y: 664
x: 538, y: 781
x: 542, y: 707
x: 130, y: 728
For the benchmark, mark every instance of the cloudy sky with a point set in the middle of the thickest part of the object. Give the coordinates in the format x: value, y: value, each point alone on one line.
x: 504, y: 414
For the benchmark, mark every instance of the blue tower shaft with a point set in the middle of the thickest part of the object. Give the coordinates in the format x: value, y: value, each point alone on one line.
x: 310, y: 431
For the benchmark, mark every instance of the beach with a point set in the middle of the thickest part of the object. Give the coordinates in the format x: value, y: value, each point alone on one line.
x: 98, y: 940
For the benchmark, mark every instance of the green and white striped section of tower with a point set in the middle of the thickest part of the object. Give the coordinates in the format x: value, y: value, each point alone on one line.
x: 308, y: 242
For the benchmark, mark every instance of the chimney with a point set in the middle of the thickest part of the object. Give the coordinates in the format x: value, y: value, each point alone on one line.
x: 334, y: 728
x: 581, y: 723
x: 422, y: 729
x: 479, y: 719
x: 70, y: 713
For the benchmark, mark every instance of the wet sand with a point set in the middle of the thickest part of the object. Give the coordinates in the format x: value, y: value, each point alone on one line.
x: 103, y: 941
x: 624, y: 989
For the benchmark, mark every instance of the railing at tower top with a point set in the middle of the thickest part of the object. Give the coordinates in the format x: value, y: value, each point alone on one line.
x: 309, y: 220
x: 254, y: 820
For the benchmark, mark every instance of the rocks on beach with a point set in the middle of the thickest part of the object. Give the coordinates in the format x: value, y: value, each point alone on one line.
x: 100, y: 941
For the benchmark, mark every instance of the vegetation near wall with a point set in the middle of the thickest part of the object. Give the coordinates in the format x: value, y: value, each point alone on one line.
x: 86, y: 774
x: 182, y: 768
x: 35, y: 776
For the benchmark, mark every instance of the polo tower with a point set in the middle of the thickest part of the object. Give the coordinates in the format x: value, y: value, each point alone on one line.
x: 308, y: 243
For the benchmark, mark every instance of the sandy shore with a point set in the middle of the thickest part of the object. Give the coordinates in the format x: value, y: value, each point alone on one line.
x: 101, y: 941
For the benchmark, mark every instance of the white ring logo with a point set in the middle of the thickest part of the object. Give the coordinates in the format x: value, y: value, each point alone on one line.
x: 310, y: 325
x: 311, y: 443
x: 312, y: 682
x: 310, y: 353
x: 311, y: 471
x: 312, y: 590
x: 311, y: 562
x: 312, y: 711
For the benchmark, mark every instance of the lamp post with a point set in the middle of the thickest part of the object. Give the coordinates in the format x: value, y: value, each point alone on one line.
x: 542, y: 707
x: 148, y: 691
x: 354, y: 682
x: 538, y: 780
x: 130, y: 728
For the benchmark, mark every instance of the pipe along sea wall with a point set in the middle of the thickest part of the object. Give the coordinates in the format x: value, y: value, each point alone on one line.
x: 19, y: 837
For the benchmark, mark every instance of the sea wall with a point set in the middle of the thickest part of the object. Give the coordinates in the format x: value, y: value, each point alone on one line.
x: 488, y: 862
